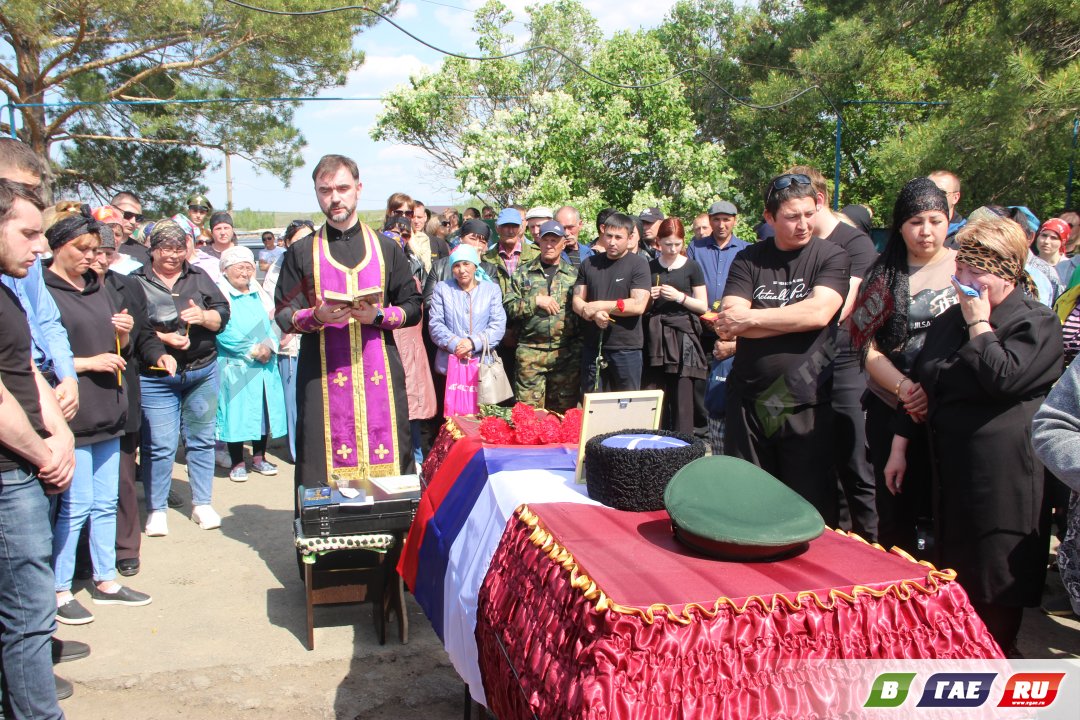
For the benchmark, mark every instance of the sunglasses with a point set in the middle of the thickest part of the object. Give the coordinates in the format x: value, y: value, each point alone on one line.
x: 785, y: 181
x: 400, y: 213
x: 137, y: 217
x: 445, y: 223
x: 198, y: 208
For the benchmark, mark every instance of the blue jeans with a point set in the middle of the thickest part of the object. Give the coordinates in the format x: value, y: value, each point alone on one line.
x: 287, y: 369
x: 191, y: 396
x: 27, y: 600
x: 623, y: 370
x: 92, y: 496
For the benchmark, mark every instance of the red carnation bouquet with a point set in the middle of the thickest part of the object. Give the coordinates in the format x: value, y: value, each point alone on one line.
x: 525, y: 425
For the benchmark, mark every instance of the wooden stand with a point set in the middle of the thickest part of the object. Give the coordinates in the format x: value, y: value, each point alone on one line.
x: 380, y: 584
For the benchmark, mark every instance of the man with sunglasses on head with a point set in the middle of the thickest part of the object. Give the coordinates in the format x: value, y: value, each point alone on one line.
x: 781, y: 304
x: 130, y: 206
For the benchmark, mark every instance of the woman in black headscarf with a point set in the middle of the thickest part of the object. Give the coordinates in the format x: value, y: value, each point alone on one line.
x: 905, y: 289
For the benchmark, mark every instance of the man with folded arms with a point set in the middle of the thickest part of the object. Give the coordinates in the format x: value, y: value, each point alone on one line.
x: 781, y: 304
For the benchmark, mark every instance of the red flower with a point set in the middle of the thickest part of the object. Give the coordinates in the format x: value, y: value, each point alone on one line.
x: 550, y: 430
x: 571, y: 426
x: 496, y: 431
x: 522, y: 414
x: 527, y: 433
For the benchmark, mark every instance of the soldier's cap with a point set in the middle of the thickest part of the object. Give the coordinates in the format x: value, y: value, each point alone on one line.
x: 730, y: 509
x: 723, y: 207
x: 538, y: 212
x: 552, y: 227
x: 509, y: 216
x: 651, y: 215
x: 199, y: 200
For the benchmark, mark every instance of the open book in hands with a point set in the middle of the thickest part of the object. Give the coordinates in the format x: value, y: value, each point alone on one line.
x: 371, y: 296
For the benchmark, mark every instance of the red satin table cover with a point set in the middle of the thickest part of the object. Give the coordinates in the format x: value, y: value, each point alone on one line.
x: 590, y: 612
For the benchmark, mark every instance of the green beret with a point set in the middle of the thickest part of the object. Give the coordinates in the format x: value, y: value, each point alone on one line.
x: 733, y: 510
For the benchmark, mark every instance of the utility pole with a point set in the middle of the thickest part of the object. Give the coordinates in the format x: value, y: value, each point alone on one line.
x: 228, y: 181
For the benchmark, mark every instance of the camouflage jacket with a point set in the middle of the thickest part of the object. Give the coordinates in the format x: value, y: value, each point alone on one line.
x: 529, y: 252
x: 535, y: 327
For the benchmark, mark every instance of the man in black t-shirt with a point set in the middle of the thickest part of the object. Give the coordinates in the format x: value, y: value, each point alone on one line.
x: 611, y: 294
x: 858, y: 512
x: 36, y: 458
x: 781, y: 304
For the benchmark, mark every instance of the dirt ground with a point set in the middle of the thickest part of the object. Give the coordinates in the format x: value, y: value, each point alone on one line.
x: 224, y: 636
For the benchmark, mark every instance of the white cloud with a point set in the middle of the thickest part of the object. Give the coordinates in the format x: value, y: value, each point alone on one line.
x: 406, y: 11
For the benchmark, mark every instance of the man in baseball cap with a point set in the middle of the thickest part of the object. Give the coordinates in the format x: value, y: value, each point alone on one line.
x: 539, y: 311
x: 534, y: 218
x: 651, y: 219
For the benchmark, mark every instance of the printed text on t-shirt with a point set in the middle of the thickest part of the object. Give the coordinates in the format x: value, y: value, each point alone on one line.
x: 782, y: 291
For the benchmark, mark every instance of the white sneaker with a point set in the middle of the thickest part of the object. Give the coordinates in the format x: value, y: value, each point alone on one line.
x: 157, y: 524
x: 206, y: 517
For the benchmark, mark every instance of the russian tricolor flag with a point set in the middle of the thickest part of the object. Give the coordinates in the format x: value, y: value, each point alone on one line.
x: 458, y: 525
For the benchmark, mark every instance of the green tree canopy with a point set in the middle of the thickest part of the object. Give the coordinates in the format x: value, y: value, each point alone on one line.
x: 537, y: 130
x: 89, y: 51
x: 1007, y: 75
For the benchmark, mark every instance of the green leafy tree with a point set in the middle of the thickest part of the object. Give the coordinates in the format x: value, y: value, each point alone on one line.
x: 1004, y: 77
x: 541, y: 131
x: 187, y: 51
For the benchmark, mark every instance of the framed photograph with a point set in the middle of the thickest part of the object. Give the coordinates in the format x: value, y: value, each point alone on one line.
x: 615, y: 411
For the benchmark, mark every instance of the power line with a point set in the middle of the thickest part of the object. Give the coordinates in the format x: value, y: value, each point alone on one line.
x: 539, y: 48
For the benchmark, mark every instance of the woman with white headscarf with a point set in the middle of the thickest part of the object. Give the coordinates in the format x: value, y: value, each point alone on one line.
x: 251, y: 402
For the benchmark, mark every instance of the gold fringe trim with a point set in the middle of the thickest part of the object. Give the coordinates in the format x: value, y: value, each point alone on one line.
x: 904, y: 590
x: 453, y: 429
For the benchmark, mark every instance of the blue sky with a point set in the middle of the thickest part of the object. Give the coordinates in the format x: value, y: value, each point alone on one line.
x: 344, y: 127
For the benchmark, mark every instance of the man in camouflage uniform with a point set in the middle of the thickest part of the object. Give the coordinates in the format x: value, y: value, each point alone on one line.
x: 538, y: 305
x: 507, y: 256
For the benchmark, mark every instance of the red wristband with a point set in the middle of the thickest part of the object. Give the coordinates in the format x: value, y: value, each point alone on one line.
x: 620, y: 305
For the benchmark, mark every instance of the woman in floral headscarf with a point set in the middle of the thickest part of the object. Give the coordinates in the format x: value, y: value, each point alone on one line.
x: 986, y: 366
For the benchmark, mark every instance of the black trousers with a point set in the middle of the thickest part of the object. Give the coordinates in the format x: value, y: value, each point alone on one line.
x: 898, y: 514
x: 853, y: 468
x: 794, y: 446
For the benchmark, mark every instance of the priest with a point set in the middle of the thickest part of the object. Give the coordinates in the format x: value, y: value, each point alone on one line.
x: 352, y: 418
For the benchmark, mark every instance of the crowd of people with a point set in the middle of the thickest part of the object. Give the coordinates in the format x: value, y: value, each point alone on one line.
x: 897, y: 391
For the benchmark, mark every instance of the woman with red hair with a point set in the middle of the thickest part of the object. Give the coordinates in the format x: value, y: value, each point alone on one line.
x: 673, y: 353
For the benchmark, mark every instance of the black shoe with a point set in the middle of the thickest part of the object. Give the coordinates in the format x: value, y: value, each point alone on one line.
x: 174, y: 499
x: 64, y: 689
x: 73, y: 613
x: 123, y: 596
x: 128, y: 566
x: 68, y: 650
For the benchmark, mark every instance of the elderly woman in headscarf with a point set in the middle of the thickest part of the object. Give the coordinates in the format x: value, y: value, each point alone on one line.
x: 99, y: 331
x: 186, y: 310
x: 986, y: 367
x: 465, y: 312
x: 251, y: 402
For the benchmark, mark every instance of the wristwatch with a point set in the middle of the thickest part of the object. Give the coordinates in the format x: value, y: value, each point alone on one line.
x: 378, y: 317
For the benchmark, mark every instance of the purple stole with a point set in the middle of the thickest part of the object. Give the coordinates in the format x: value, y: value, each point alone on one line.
x: 360, y: 423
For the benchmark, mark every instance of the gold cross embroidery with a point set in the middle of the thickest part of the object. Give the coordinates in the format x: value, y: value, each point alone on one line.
x: 340, y: 379
x: 381, y: 451
x: 377, y: 378
x: 344, y: 451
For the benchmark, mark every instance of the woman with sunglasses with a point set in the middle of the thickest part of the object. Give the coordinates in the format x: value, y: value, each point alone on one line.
x: 907, y: 287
